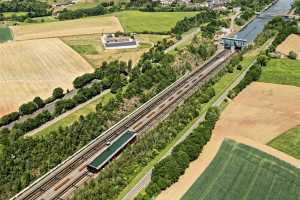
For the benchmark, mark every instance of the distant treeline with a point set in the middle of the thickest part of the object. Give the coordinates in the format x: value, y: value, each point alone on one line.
x: 34, y: 8
x: 248, y: 8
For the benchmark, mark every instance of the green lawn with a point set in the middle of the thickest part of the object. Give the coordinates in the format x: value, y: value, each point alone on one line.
x: 288, y: 142
x: 282, y: 71
x: 85, y: 49
x: 242, y: 172
x: 5, y: 34
x: 137, y: 21
x: 10, y: 14
x: 75, y: 115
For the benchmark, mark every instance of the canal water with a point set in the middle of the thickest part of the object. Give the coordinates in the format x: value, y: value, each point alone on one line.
x: 249, y: 33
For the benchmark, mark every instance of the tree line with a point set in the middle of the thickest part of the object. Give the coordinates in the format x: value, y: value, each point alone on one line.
x: 33, y: 8
x: 30, y: 107
x: 167, y: 171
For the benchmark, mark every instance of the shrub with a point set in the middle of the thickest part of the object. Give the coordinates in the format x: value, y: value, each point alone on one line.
x: 28, y: 108
x: 39, y: 102
x: 292, y: 55
x: 230, y: 68
x: 7, y: 119
x: 81, y: 81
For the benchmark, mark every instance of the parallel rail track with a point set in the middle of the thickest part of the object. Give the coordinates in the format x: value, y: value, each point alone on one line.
x: 49, y: 180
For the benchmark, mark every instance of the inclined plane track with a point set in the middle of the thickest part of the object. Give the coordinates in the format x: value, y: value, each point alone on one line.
x: 43, y: 184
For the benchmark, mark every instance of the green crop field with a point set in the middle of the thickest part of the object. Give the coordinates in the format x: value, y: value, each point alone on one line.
x: 5, y: 34
x: 242, y: 172
x: 137, y: 21
x: 288, y: 142
x: 282, y: 71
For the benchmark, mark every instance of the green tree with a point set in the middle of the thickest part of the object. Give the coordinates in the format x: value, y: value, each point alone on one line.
x: 39, y: 102
x: 58, y: 93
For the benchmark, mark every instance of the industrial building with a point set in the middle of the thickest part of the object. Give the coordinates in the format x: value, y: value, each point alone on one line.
x: 111, y: 41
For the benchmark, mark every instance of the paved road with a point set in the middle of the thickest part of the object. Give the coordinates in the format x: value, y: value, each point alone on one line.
x: 147, y: 178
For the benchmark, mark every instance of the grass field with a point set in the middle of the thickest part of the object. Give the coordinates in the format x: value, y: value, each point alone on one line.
x: 288, y: 142
x: 136, y: 21
x: 90, y: 47
x: 242, y: 172
x: 90, y: 25
x: 34, y: 68
x: 75, y: 115
x: 282, y: 71
x: 10, y: 14
x: 5, y: 34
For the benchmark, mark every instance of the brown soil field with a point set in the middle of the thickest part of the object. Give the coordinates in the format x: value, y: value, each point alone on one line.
x: 34, y: 68
x: 291, y: 43
x: 261, y: 112
x: 197, y: 167
x: 82, y: 26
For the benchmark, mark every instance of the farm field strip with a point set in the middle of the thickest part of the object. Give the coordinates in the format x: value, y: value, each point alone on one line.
x: 84, y: 26
x: 239, y: 171
x: 282, y: 71
x: 5, y: 34
x: 137, y: 21
x: 288, y: 142
x: 34, y: 68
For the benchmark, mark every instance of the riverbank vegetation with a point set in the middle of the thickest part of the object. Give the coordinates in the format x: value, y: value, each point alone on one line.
x: 248, y: 9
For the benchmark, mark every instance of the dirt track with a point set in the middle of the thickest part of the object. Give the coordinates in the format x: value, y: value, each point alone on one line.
x: 34, y: 68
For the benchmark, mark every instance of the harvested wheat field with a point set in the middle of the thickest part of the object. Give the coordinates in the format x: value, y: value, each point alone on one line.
x: 291, y: 43
x: 90, y: 25
x: 34, y: 68
x: 261, y: 112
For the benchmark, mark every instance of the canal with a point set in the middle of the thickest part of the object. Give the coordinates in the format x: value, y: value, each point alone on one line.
x: 249, y: 33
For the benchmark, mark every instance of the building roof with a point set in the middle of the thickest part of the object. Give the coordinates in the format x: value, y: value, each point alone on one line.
x: 113, y: 149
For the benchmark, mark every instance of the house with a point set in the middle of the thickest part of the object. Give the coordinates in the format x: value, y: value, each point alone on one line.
x: 217, y: 4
